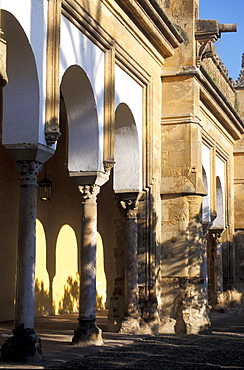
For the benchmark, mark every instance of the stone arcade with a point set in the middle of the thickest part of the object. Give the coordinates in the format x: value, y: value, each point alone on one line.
x: 126, y: 108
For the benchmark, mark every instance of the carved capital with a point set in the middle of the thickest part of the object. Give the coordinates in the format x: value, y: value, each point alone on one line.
x: 52, y: 137
x: 130, y: 205
x: 28, y: 170
x: 89, y: 193
x: 217, y: 235
x: 108, y: 164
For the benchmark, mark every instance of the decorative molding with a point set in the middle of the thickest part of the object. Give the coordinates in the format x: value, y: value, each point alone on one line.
x: 77, y: 15
x: 52, y: 132
x: 109, y: 113
x: 73, y: 11
x: 154, y: 24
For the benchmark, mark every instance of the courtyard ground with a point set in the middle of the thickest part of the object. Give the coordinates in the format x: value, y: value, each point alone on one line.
x: 222, y: 349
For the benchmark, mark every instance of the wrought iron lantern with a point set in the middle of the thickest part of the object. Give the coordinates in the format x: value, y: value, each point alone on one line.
x: 45, y: 188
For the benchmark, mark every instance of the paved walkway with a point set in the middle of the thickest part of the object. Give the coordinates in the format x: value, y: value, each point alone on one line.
x: 223, y: 349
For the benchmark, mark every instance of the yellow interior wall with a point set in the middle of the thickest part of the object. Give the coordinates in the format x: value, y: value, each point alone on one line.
x: 66, y: 280
x: 42, y: 298
x: 64, y: 297
x: 101, y: 282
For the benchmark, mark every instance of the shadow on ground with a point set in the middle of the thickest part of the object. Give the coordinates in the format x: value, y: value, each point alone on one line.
x: 222, y: 349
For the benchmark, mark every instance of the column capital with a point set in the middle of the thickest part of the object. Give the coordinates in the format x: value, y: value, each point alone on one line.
x: 89, y: 192
x: 129, y: 201
x: 108, y: 164
x: 130, y: 205
x: 28, y: 170
x: 216, y: 234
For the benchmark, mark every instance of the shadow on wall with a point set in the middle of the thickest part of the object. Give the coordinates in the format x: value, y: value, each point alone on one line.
x: 61, y: 295
x: 70, y: 297
x: 68, y: 303
x: 42, y: 300
x: 181, y: 289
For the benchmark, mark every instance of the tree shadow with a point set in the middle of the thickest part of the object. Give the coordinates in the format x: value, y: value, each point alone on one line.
x: 69, y: 302
x: 42, y: 299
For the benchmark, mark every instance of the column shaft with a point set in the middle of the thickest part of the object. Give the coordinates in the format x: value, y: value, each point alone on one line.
x: 130, y: 324
x: 24, y: 346
x: 88, y: 333
x: 131, y: 278
x: 26, y: 257
x: 88, y: 260
x: 219, y: 271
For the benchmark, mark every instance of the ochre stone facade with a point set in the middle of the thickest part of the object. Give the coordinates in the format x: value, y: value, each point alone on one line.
x: 126, y: 108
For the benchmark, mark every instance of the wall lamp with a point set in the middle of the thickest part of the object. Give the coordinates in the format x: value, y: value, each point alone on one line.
x: 45, y: 187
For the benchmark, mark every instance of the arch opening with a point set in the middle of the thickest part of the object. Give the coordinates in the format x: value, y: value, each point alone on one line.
x: 126, y: 151
x: 219, y: 222
x: 20, y: 118
x: 83, y: 141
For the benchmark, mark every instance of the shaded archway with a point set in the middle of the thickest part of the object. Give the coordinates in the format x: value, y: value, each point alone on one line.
x: 20, y: 118
x: 206, y: 199
x: 126, y: 151
x: 83, y: 137
x: 220, y: 219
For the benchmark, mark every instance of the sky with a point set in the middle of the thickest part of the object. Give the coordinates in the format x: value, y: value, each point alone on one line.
x: 230, y: 46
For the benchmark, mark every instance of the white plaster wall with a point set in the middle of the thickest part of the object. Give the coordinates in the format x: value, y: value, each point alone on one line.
x: 77, y: 49
x: 128, y: 91
x: 206, y: 165
x: 83, y: 133
x: 32, y: 16
x: 220, y: 172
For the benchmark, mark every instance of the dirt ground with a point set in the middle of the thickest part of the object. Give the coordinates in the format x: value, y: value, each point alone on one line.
x: 222, y: 349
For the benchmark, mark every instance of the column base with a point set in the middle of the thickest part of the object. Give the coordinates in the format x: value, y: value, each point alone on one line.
x: 23, y: 347
x: 130, y: 325
x: 87, y: 334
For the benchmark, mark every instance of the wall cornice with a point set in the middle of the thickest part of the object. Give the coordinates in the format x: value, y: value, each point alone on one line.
x: 212, y: 97
x: 83, y: 20
x: 153, y: 23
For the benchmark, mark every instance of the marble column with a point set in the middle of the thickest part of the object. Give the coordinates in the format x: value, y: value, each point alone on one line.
x: 24, y: 346
x: 88, y: 333
x: 130, y: 324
